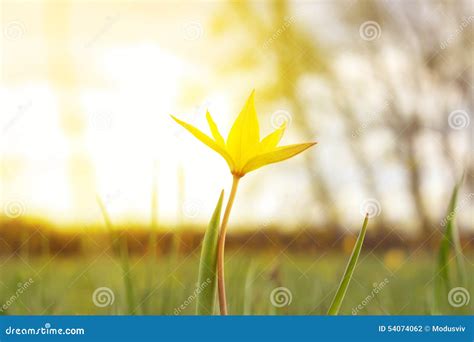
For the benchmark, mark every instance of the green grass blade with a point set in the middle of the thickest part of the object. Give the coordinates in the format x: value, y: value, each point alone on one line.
x: 443, y: 269
x: 119, y: 243
x: 108, y: 224
x: 341, y: 291
x: 208, y: 263
x: 248, y: 289
x: 449, y: 241
x: 127, y: 277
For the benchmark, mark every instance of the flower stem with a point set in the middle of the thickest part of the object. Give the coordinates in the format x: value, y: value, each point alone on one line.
x: 221, y: 245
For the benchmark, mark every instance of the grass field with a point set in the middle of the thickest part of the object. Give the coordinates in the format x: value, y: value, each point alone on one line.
x: 394, y: 283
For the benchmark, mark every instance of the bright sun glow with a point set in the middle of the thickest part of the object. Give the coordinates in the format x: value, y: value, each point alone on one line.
x: 128, y: 143
x: 88, y: 88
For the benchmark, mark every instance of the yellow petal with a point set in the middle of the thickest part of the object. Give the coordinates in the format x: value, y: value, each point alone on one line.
x: 207, y: 140
x: 244, y: 136
x: 271, y: 141
x: 277, y: 155
x: 214, y: 130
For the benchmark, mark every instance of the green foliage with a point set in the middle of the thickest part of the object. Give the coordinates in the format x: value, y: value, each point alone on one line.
x: 119, y: 243
x: 446, y: 276
x: 207, y: 280
x: 346, y: 279
x: 309, y: 276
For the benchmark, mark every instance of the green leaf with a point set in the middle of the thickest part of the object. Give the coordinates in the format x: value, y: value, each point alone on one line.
x: 207, y: 281
x: 248, y: 289
x: 119, y: 244
x: 341, y: 291
x: 450, y: 241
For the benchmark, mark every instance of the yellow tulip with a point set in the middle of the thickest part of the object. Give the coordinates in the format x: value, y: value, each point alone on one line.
x: 244, y: 152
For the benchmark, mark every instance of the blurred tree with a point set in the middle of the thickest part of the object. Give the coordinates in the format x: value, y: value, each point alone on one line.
x: 418, y: 29
x: 279, y: 42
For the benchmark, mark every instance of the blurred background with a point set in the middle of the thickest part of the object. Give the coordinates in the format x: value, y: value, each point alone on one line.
x: 385, y: 87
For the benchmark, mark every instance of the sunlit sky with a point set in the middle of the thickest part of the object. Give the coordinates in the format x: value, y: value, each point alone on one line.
x: 87, y: 89
x: 90, y: 114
